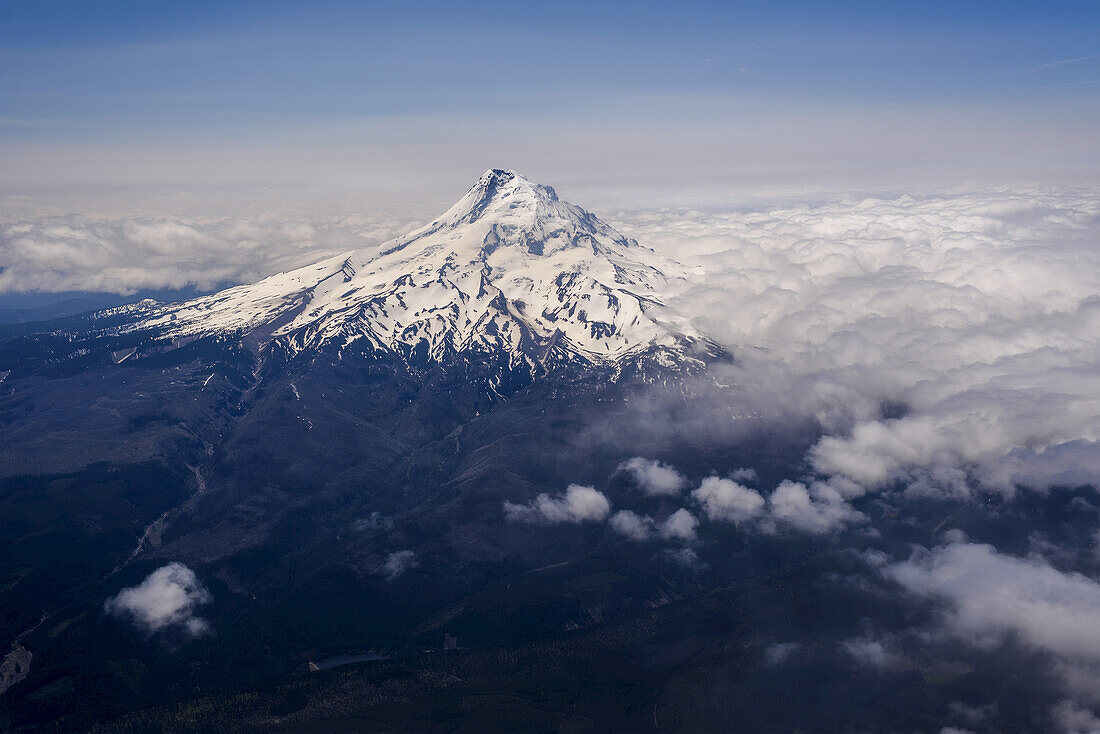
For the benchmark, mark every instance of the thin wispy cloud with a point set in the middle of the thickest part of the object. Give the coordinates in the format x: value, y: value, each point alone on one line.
x: 398, y: 563
x: 1055, y: 64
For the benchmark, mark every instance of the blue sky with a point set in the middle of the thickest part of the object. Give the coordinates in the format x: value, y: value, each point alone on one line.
x: 209, y: 94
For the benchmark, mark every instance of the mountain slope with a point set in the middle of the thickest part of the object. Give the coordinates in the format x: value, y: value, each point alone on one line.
x: 510, y: 267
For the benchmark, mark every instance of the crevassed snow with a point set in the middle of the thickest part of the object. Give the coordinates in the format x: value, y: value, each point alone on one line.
x: 510, y: 266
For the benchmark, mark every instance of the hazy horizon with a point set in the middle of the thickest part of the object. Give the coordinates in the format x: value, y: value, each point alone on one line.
x: 392, y: 100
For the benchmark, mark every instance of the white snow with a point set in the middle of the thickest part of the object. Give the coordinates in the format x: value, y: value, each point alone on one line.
x: 510, y: 266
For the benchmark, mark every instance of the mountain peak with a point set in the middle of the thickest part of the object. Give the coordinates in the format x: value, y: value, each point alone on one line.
x: 505, y: 210
x: 498, y: 188
x: 510, y: 267
x: 506, y: 182
x: 498, y: 176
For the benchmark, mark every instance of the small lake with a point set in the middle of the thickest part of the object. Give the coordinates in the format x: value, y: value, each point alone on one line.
x: 348, y: 660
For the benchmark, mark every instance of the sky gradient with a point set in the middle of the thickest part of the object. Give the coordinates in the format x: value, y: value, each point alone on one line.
x: 400, y: 98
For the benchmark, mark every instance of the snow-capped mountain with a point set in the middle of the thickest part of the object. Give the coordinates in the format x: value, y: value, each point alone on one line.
x: 509, y: 267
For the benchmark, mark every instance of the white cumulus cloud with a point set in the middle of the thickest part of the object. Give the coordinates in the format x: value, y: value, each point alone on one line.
x: 631, y: 525
x: 816, y: 509
x: 653, y: 477
x: 680, y: 525
x: 988, y: 595
x: 725, y: 499
x: 167, y: 598
x: 578, y: 504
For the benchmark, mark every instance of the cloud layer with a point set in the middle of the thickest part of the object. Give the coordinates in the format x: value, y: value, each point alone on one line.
x: 975, y: 318
x: 942, y: 344
x: 166, y: 599
x: 126, y: 255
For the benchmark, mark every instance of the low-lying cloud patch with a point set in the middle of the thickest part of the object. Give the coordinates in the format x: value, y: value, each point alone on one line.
x: 873, y: 652
x: 1070, y: 717
x: 817, y: 509
x: 725, y: 499
x: 578, y: 504
x: 126, y: 255
x: 652, y: 477
x: 780, y: 652
x: 680, y: 525
x: 685, y: 556
x: 166, y: 599
x: 743, y: 475
x: 631, y: 525
x: 986, y: 596
x: 397, y: 563
x: 375, y: 521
